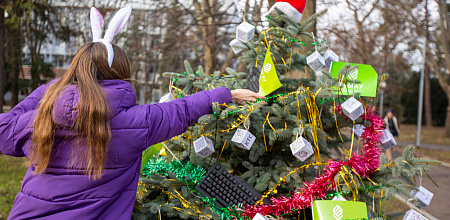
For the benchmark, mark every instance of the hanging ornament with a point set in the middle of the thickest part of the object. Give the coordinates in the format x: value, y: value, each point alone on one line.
x: 203, y: 147
x: 243, y: 139
x: 235, y: 44
x: 352, y: 108
x: 268, y: 79
x: 260, y: 217
x: 329, y: 57
x: 291, y: 8
x: 316, y: 62
x: 423, y: 196
x: 169, y: 96
x: 387, y: 140
x: 338, y: 210
x: 245, y: 32
x: 301, y: 149
x: 359, y: 129
x: 413, y: 215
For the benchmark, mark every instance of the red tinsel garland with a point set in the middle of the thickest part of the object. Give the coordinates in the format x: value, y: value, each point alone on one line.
x: 364, y: 164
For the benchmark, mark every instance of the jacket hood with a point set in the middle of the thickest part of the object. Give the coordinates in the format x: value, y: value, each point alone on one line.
x: 120, y: 95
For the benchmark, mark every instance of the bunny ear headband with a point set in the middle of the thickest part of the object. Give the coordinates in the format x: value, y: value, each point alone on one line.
x: 115, y: 25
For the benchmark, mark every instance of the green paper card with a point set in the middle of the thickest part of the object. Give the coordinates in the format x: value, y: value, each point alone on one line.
x: 149, y: 153
x: 339, y: 210
x: 268, y: 79
x: 366, y: 75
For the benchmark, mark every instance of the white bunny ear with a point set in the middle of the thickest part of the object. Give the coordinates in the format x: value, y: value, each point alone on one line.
x: 117, y: 23
x: 96, y: 23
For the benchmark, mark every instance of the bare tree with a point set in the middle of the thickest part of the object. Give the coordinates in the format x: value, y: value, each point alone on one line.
x: 13, y: 47
x: 437, y: 47
x: 427, y: 87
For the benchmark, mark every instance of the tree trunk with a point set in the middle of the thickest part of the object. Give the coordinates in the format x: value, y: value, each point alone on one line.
x: 209, y: 55
x: 13, y: 45
x: 427, y: 94
x: 228, y: 60
x: 310, y: 9
x: 447, y: 118
x: 210, y: 35
x: 2, y: 59
x: 428, y: 113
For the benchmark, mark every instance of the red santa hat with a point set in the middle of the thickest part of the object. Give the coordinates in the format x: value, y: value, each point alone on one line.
x: 292, y: 8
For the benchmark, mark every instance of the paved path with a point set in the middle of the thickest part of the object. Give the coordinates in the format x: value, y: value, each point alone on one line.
x: 425, y: 145
x: 440, y: 204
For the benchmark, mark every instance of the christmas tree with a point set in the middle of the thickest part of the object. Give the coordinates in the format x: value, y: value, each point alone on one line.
x: 305, y: 144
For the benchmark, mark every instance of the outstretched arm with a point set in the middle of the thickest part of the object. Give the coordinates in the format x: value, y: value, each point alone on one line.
x: 166, y: 120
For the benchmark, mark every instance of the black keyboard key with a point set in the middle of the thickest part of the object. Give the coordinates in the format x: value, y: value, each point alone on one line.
x: 224, y: 204
x: 227, y: 189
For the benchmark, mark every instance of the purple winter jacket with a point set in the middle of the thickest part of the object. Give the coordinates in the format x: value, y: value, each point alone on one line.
x: 62, y: 193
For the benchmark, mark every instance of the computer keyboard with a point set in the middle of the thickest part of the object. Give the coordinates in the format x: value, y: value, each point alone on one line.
x: 227, y: 189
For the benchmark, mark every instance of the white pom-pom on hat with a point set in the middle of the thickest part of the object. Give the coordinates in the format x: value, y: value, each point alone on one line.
x: 292, y: 8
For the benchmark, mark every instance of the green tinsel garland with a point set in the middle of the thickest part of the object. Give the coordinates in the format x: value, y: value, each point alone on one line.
x: 182, y: 172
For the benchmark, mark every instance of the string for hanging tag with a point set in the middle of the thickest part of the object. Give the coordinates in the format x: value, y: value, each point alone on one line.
x: 315, y: 43
x: 171, y: 84
x: 420, y: 179
x: 354, y: 79
x: 173, y: 155
x: 246, y: 118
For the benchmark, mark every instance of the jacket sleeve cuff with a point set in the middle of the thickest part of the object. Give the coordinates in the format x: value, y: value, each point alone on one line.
x: 221, y: 95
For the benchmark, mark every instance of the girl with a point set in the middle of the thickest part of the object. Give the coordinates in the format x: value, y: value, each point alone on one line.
x: 84, y: 135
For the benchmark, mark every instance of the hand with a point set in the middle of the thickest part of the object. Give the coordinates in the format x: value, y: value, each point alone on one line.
x: 244, y: 95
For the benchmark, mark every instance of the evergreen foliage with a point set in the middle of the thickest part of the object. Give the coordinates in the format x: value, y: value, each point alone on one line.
x: 276, y: 122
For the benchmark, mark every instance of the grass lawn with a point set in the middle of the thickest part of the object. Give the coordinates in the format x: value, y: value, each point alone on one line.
x: 433, y: 135
x: 12, y: 171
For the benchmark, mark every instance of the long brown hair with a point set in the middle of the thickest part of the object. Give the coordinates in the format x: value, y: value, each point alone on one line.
x: 88, y: 67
